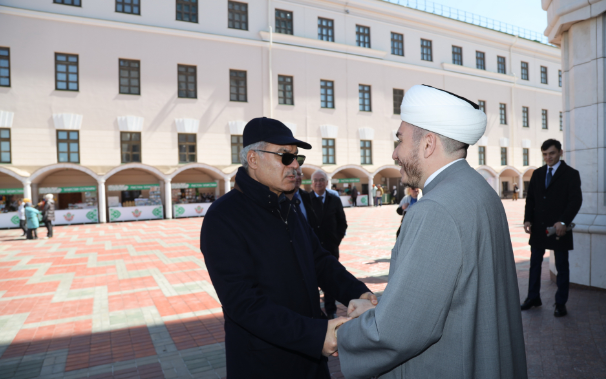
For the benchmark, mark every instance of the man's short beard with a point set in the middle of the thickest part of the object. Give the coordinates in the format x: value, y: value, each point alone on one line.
x: 412, y: 170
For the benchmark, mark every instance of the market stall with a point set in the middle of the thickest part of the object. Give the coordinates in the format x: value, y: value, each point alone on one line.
x: 191, y: 199
x: 134, y: 202
x: 344, y: 186
x: 73, y: 205
x: 9, y: 217
x: 361, y: 202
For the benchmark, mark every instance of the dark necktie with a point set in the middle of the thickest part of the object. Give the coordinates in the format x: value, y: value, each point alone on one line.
x: 318, y: 206
x: 548, y: 177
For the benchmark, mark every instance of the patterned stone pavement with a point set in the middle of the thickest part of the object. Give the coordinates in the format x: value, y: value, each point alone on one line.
x: 131, y: 300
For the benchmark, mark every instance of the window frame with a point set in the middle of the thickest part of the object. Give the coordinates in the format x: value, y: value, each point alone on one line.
x: 322, y: 28
x: 8, y: 59
x: 480, y: 58
x: 187, y: 75
x: 363, y: 36
x: 397, y: 103
x: 525, y: 156
x: 67, y: 64
x: 544, y: 79
x: 544, y: 119
x: 559, y: 78
x: 188, y: 3
x: 363, y: 91
x: 10, y: 146
x: 482, y: 105
x: 233, y: 12
x: 187, y: 143
x: 503, y: 114
x: 327, y: 147
x: 68, y: 142
x: 129, y: 69
x: 61, y: 2
x: 364, y: 149
x: 282, y: 93
x: 524, y: 71
x: 399, y: 39
x: 561, y: 122
x: 424, y: 49
x: 525, y: 117
x: 133, y: 13
x: 239, y: 145
x: 501, y: 63
x: 290, y: 22
x: 130, y: 143
x: 238, y: 86
x: 324, y: 87
x: 457, y: 56
x: 481, y: 155
x: 503, y: 156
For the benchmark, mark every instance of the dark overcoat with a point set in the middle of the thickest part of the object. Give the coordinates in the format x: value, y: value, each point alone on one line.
x: 331, y: 224
x: 560, y: 202
x: 266, y: 274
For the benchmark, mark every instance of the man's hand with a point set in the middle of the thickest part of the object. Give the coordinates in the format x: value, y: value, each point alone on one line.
x: 370, y: 297
x: 527, y: 226
x: 358, y: 306
x: 560, y: 229
x: 330, y: 341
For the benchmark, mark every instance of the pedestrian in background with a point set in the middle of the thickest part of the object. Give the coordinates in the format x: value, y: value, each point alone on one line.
x: 394, y: 195
x: 354, y: 196
x: 380, y: 193
x: 412, y: 196
x: 33, y: 223
x: 48, y: 214
x: 515, y: 192
x: 22, y: 219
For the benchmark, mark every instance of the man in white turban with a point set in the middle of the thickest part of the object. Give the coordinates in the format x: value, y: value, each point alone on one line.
x: 451, y: 306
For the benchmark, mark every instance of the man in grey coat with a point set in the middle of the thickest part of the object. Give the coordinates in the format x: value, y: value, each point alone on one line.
x: 451, y: 306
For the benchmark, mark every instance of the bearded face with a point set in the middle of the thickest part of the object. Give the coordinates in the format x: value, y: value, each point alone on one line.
x: 407, y: 156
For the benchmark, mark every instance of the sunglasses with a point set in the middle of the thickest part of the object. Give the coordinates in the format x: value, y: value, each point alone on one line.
x: 287, y: 158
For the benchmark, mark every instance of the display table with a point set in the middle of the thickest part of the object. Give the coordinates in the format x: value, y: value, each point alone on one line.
x: 190, y: 210
x: 147, y: 212
x: 76, y: 216
x: 9, y: 220
x: 362, y: 200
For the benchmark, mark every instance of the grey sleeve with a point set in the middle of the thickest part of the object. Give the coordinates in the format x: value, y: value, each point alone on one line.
x: 412, y: 312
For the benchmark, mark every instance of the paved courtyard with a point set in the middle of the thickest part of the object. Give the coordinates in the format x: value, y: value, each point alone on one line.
x: 130, y: 300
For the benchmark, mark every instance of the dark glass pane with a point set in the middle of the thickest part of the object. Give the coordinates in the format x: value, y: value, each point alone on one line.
x: 136, y: 136
x: 73, y: 147
x: 125, y: 137
x: 192, y: 149
x: 73, y: 157
x: 181, y: 137
x: 135, y: 148
x: 5, y: 133
x: 136, y: 158
x: 182, y: 158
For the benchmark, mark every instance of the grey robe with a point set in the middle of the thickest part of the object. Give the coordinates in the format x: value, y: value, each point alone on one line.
x: 451, y: 308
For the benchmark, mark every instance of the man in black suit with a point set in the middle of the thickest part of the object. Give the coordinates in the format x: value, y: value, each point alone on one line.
x: 554, y: 198
x: 327, y: 219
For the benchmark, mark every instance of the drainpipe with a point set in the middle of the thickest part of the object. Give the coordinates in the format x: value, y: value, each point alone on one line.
x: 513, y: 119
x: 271, y: 41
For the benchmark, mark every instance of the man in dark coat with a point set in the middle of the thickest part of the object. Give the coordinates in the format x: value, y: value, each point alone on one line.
x: 553, y: 200
x: 266, y: 265
x: 327, y: 219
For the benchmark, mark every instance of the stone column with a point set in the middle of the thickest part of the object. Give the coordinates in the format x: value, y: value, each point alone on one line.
x: 27, y: 189
x: 371, y: 199
x: 580, y: 29
x: 168, y: 199
x: 101, y: 201
x: 217, y: 194
x: 35, y: 194
x: 521, y: 186
x: 227, y: 184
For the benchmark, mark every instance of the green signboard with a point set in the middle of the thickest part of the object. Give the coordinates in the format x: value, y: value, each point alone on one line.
x: 306, y: 181
x: 11, y: 191
x: 193, y: 185
x: 346, y: 180
x: 66, y: 189
x: 130, y: 187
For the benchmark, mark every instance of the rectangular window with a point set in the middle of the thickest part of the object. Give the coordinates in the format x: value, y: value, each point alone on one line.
x: 397, y: 44
x: 365, y: 152
x: 5, y: 146
x: 524, y: 157
x: 237, y: 144
x: 237, y: 86
x: 481, y: 155
x: 187, y: 148
x: 525, y: 117
x: 501, y: 68
x: 426, y: 53
x: 187, y: 10
x: 130, y: 146
x: 285, y: 90
x: 66, y: 72
x: 130, y: 71
x: 503, y: 114
x: 524, y: 70
x: 5, y: 67
x: 284, y: 22
x: 543, y: 75
x: 68, y: 146
x: 326, y: 30
x: 363, y: 36
x: 561, y: 122
x: 128, y: 6
x: 457, y: 55
x: 364, y: 97
x: 328, y: 151
x: 75, y: 3
x: 327, y: 94
x: 544, y: 118
x: 480, y: 60
x: 187, y: 81
x: 503, y: 156
x: 559, y: 78
x: 482, y: 105
x: 237, y: 15
x: 398, y: 95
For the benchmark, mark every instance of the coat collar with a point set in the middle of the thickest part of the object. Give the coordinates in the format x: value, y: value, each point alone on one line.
x: 457, y: 166
x: 255, y: 191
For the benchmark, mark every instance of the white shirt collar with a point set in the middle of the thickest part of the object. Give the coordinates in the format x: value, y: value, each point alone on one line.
x: 554, y: 167
x: 438, y: 171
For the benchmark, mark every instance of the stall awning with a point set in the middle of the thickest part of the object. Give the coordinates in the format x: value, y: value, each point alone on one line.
x: 346, y: 180
x: 66, y: 189
x: 193, y: 185
x: 11, y: 191
x: 130, y: 187
x: 306, y: 181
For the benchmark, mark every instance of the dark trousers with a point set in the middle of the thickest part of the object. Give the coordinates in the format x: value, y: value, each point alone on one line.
x: 23, y: 226
x: 32, y: 234
x: 563, y: 278
x: 354, y: 201
x: 330, y: 305
x: 49, y: 228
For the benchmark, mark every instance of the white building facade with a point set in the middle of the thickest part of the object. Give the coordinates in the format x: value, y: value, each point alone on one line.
x: 153, y: 96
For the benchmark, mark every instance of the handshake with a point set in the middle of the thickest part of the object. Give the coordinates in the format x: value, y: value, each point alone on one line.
x: 355, y: 309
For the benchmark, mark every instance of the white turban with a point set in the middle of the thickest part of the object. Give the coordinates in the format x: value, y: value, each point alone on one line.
x: 444, y: 113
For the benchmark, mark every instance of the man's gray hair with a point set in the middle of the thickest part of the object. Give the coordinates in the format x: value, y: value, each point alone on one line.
x: 244, y: 152
x: 321, y: 172
x: 450, y: 146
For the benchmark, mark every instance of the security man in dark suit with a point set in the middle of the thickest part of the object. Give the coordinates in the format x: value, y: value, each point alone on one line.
x: 554, y: 198
x: 327, y: 219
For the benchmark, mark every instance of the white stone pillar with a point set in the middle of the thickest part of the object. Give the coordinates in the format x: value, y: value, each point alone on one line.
x: 27, y: 189
x: 227, y: 184
x: 371, y: 199
x: 521, y: 186
x: 168, y: 199
x: 217, y: 194
x: 101, y: 201
x: 35, y: 194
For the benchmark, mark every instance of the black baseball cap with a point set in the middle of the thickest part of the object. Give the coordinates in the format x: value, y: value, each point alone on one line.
x: 272, y: 131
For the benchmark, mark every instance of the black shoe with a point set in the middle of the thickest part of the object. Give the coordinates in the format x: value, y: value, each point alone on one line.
x: 529, y: 303
x: 560, y: 310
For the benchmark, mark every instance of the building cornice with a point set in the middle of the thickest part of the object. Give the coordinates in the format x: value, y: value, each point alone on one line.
x: 562, y: 14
